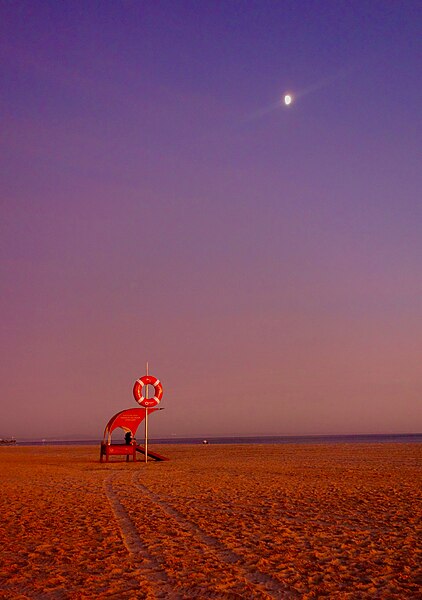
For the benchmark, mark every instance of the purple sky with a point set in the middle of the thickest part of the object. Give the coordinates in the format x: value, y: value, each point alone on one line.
x: 158, y: 203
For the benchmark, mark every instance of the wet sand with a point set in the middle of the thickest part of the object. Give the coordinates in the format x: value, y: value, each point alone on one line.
x: 273, y: 521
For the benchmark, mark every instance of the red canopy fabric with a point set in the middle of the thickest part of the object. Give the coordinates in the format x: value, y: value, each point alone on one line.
x: 128, y: 420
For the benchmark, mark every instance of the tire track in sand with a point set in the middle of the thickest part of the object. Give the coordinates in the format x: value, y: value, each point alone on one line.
x: 273, y: 587
x: 148, y: 567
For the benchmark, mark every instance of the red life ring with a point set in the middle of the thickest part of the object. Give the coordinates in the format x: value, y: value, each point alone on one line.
x: 158, y: 391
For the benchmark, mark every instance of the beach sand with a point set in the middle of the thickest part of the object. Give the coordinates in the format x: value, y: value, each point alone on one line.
x: 230, y: 521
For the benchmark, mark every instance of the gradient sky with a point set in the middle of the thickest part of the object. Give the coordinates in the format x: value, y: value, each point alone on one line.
x: 158, y: 203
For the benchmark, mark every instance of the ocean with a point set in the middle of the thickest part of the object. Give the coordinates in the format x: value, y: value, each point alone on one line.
x: 403, y: 438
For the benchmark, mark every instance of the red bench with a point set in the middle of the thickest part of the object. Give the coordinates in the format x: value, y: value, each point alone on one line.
x: 117, y: 450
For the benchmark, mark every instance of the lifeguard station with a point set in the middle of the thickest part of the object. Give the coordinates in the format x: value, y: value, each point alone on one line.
x: 129, y: 420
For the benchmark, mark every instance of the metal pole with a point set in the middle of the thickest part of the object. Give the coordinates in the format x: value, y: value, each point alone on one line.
x: 146, y: 422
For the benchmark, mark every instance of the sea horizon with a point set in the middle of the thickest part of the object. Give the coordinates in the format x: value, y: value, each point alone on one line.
x: 243, y: 439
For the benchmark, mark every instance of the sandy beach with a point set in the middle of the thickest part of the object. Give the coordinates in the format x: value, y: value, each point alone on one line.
x: 232, y: 521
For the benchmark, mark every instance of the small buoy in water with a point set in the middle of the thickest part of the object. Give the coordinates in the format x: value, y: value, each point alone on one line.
x: 205, y: 442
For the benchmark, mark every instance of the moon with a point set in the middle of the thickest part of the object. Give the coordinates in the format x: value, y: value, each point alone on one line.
x: 287, y: 99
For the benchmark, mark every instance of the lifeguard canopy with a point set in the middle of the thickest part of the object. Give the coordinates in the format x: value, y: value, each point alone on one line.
x: 128, y: 420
